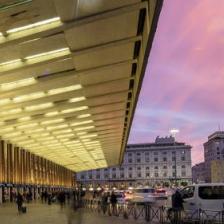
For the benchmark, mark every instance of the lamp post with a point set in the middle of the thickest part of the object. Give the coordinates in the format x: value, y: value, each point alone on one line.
x: 173, y: 133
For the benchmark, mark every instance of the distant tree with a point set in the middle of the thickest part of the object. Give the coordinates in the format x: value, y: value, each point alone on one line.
x: 184, y: 183
x: 166, y: 184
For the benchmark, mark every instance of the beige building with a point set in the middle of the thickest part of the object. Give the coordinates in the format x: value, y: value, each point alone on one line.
x: 213, y: 150
x: 160, y: 162
x: 217, y: 171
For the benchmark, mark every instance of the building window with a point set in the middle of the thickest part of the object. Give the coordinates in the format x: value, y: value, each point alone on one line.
x: 174, y: 174
x: 183, y: 158
x: 156, y: 175
x: 147, y: 159
x: 147, y: 168
x: 164, y: 153
x: 174, y: 167
x: 90, y: 176
x: 130, y: 175
x: 156, y: 167
x: 147, y: 153
x: 155, y: 153
x: 164, y: 167
x: 82, y: 177
x: 173, y: 158
x: 97, y: 176
x: 138, y: 160
x: 139, y: 168
x: 114, y: 169
x: 164, y: 159
x: 164, y: 174
x: 155, y: 159
x: 122, y: 168
x: 183, y: 167
x: 174, y: 152
x: 130, y: 168
x: 138, y: 154
x: 139, y: 175
x: 114, y: 175
x: 106, y: 176
x: 130, y: 160
x: 183, y: 174
x: 122, y: 175
x: 147, y: 174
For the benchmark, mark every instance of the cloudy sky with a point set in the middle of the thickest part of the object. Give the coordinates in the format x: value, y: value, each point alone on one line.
x: 184, y: 83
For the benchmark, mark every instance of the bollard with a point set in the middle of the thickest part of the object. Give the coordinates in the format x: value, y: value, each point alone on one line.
x: 161, y: 215
x: 222, y: 216
x: 147, y: 212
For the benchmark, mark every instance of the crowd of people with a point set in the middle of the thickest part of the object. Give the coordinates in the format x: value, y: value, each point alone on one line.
x: 73, y: 199
x: 48, y: 197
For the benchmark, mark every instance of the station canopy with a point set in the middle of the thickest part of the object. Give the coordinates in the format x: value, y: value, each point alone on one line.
x: 70, y: 75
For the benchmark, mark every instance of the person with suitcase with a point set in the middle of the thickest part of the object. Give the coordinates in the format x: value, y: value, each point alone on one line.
x: 19, y: 202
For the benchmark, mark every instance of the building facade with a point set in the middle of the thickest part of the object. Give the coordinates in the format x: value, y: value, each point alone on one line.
x: 217, y: 174
x: 198, y: 173
x: 164, y: 161
x: 213, y: 150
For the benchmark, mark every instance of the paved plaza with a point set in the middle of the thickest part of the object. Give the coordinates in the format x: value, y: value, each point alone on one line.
x: 38, y: 213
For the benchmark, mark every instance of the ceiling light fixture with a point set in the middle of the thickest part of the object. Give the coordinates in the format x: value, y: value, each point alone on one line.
x: 81, y: 122
x: 53, y: 121
x: 5, y: 101
x: 34, y: 25
x: 65, y: 50
x: 39, y: 106
x: 64, y: 89
x: 10, y: 62
x: 51, y: 114
x: 74, y: 109
x: 84, y: 128
x: 83, y: 116
x: 24, y: 119
x: 77, y: 99
x: 28, y: 97
x: 17, y: 84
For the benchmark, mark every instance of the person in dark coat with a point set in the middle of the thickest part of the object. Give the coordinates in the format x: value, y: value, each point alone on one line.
x: 19, y: 202
x: 113, y: 201
x: 61, y: 199
x: 177, y: 207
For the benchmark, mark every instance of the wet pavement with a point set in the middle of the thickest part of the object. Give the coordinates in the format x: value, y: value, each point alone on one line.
x: 38, y: 213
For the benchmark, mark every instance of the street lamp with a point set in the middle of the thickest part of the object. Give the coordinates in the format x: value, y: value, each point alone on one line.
x: 173, y: 133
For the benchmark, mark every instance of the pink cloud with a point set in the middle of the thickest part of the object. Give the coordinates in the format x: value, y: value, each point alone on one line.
x: 184, y: 81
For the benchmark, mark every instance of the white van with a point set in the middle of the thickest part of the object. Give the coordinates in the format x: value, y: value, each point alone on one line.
x: 208, y: 196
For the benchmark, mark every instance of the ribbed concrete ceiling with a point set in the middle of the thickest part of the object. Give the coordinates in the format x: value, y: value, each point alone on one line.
x: 70, y: 73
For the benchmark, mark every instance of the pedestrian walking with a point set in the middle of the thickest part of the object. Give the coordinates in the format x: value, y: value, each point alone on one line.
x: 177, y: 207
x: 113, y: 201
x: 104, y: 202
x: 19, y: 202
x: 61, y: 199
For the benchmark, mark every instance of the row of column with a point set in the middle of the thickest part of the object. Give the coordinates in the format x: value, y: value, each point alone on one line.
x: 18, y: 166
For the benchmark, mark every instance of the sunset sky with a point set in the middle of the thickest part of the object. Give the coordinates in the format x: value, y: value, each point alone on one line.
x: 184, y: 83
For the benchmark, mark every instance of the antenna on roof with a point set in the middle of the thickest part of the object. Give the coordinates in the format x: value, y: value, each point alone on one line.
x: 219, y: 127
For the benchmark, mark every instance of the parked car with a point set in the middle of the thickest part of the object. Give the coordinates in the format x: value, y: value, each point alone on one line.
x: 161, y: 192
x: 143, y: 195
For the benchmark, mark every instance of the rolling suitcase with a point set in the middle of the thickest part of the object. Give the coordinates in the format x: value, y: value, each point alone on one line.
x: 23, y: 209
